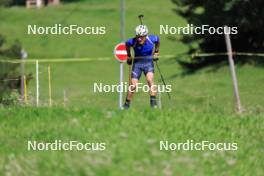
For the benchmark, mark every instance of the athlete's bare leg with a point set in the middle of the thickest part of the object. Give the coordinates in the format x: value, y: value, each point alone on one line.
x: 131, y: 91
x: 153, y: 91
x: 132, y: 87
x: 150, y: 80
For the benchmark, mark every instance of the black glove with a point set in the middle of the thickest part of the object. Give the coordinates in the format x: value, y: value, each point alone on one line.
x: 155, y: 59
x: 129, y: 61
x: 156, y: 56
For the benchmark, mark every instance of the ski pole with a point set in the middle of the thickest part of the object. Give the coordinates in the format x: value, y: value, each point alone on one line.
x: 162, y: 79
x: 140, y: 17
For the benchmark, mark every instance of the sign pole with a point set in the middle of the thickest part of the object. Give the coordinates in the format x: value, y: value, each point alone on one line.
x: 122, y: 20
x: 120, y: 83
x: 232, y: 69
x: 122, y: 35
x: 121, y: 55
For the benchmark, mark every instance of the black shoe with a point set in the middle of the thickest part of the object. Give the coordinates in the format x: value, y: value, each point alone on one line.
x: 126, y: 106
x: 154, y: 105
x: 153, y: 102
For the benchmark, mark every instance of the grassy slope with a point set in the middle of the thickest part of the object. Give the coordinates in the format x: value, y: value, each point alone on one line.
x: 200, y: 108
x: 205, y: 89
x: 77, y: 78
x: 132, y: 142
x: 14, y: 23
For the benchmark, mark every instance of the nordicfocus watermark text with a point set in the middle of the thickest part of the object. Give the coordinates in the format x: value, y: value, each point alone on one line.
x: 124, y: 87
x: 190, y: 145
x: 58, y: 145
x: 59, y: 29
x: 190, y: 29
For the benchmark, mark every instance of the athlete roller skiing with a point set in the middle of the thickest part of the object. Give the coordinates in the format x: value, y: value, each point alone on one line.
x: 146, y: 50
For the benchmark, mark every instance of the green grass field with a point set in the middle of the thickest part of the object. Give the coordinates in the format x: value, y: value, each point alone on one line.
x: 95, y: 13
x: 132, y: 142
x: 201, y: 108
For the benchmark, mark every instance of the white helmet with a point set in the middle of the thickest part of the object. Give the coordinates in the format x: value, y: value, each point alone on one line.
x: 141, y: 30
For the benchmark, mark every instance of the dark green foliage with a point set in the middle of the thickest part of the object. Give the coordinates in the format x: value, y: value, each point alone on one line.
x: 9, y: 75
x: 5, y: 2
x: 246, y: 15
x: 12, y: 2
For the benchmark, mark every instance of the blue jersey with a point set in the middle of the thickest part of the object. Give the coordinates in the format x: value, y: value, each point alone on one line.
x: 145, y: 51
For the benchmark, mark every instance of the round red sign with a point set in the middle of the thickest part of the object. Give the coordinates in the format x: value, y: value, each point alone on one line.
x: 120, y: 52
